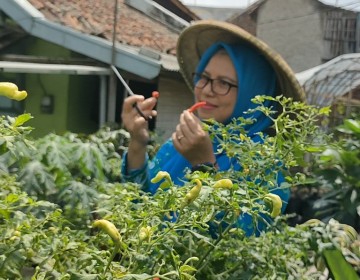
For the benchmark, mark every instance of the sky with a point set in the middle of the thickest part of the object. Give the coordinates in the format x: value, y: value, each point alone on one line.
x: 219, y: 3
x: 347, y: 4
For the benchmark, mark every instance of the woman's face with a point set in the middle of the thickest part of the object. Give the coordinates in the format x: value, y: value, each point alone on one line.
x: 218, y: 107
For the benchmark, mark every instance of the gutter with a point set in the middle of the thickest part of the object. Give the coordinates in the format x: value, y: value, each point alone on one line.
x: 159, y: 13
x: 35, y: 23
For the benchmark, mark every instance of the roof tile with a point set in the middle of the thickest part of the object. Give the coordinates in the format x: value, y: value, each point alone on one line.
x: 96, y: 17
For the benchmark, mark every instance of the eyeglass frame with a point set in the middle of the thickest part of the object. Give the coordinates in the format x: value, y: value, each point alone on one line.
x: 208, y: 79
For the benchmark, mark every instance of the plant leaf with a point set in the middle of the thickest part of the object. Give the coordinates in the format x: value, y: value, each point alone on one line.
x: 338, y: 266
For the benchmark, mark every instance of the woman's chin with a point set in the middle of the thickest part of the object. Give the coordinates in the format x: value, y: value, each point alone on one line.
x: 205, y: 117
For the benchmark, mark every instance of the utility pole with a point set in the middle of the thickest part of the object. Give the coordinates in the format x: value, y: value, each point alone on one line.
x: 112, y: 80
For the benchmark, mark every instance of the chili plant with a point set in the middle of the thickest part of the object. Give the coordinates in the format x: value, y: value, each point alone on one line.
x: 48, y: 223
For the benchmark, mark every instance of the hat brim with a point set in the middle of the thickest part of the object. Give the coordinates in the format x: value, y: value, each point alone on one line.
x: 200, y: 35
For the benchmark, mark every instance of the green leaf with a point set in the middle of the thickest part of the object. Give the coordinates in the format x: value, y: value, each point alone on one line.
x: 11, y: 198
x: 36, y: 179
x: 314, y: 149
x: 20, y: 120
x: 339, y: 268
x: 78, y: 193
x: 330, y: 155
x: 353, y: 125
x: 90, y: 159
x: 186, y: 268
x: 143, y: 276
x: 325, y: 111
x: 53, y: 150
x: 79, y: 276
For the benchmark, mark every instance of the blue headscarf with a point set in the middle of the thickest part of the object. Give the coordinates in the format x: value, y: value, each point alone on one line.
x: 255, y: 77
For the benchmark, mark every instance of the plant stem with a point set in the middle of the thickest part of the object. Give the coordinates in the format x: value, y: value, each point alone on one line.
x: 201, y: 265
x: 116, y: 249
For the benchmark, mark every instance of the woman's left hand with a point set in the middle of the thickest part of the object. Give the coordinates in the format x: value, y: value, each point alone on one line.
x: 192, y: 141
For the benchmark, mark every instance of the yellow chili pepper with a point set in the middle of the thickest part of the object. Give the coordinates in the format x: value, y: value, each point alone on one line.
x: 349, y: 231
x: 275, y: 203
x: 312, y: 222
x: 10, y: 90
x: 159, y: 176
x: 145, y: 233
x: 223, y: 184
x: 14, y: 238
x: 109, y: 228
x: 17, y: 233
x: 193, y: 193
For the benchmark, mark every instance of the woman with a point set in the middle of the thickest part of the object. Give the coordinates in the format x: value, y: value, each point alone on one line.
x: 226, y: 67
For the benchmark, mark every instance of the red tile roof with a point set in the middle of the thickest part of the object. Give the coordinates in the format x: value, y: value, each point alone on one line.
x: 96, y: 17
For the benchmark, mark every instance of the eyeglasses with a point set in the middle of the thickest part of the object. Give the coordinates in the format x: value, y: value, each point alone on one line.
x: 218, y: 86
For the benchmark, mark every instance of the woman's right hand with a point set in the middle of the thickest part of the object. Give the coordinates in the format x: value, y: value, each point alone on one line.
x: 135, y: 124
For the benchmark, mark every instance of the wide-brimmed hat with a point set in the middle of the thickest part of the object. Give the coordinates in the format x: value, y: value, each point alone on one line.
x: 200, y: 35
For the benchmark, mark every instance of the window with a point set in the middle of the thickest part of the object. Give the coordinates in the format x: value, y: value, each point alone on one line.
x: 340, y: 33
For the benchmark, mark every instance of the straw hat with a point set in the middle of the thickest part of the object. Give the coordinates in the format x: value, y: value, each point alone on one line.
x: 200, y: 35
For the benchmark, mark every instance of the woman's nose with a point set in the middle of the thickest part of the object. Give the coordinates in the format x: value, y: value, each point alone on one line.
x: 207, y: 90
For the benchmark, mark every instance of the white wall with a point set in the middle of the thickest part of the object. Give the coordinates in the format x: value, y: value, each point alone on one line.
x: 175, y: 97
x: 294, y: 29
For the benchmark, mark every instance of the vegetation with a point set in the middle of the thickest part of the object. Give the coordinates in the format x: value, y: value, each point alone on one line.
x: 57, y: 193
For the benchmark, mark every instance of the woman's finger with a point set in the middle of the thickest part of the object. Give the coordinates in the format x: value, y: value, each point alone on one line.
x: 148, y: 104
x: 130, y: 101
x: 136, y: 105
x: 192, y: 122
x: 183, y: 127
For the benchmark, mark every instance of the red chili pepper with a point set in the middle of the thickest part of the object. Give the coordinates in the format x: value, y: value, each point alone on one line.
x: 155, y: 94
x: 196, y: 106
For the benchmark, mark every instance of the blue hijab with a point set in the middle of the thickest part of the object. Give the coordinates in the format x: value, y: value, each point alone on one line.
x: 255, y: 77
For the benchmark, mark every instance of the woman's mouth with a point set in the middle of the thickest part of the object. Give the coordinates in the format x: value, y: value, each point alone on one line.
x: 209, y: 106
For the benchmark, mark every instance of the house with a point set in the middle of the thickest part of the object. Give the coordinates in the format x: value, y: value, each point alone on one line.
x: 218, y: 13
x: 306, y: 33
x: 320, y: 40
x: 61, y: 51
x: 247, y: 19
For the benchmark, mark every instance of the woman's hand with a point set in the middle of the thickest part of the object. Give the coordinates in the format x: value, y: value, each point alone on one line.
x: 135, y: 124
x: 138, y: 127
x: 192, y: 141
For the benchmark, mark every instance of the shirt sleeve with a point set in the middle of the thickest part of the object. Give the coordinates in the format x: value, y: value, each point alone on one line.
x: 138, y: 176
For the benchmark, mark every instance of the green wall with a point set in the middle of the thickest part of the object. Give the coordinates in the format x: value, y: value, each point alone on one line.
x: 39, y: 85
x: 75, y: 97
